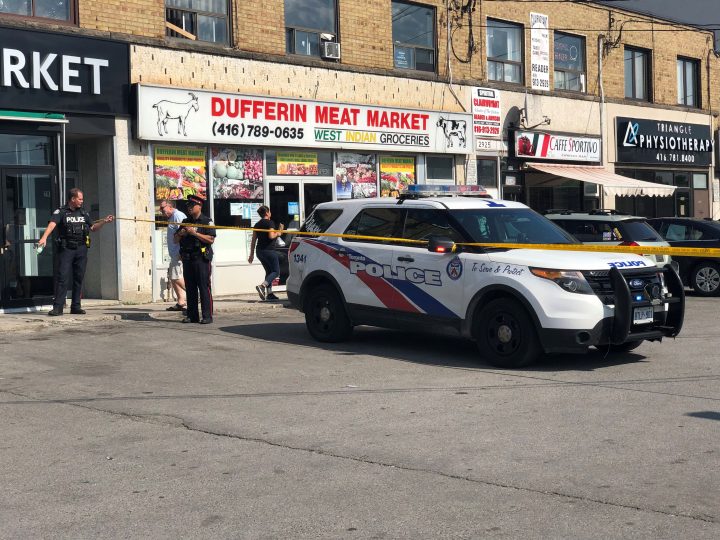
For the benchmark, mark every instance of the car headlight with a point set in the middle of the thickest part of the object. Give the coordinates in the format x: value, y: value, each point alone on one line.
x: 573, y: 282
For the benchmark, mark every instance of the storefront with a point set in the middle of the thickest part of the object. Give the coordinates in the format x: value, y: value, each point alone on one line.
x: 59, y: 97
x: 670, y: 153
x: 241, y: 151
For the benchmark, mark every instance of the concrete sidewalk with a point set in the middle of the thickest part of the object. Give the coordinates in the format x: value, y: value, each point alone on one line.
x: 107, y: 310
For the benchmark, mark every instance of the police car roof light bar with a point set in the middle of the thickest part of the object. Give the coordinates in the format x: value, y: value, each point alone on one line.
x: 426, y: 190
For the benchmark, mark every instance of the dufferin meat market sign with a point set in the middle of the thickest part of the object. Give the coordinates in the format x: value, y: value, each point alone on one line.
x: 175, y: 115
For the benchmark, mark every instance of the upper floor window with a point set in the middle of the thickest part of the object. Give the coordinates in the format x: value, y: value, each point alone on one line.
x: 504, y: 51
x: 637, y: 74
x: 201, y: 20
x: 413, y: 36
x: 59, y: 10
x: 569, y: 62
x: 306, y: 22
x: 688, y: 82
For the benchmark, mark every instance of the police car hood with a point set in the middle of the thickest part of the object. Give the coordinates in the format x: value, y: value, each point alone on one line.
x: 570, y: 260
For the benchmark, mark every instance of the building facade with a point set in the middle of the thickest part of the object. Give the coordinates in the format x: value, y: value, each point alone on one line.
x: 294, y: 102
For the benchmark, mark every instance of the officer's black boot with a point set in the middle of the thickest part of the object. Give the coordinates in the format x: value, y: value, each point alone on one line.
x: 54, y: 312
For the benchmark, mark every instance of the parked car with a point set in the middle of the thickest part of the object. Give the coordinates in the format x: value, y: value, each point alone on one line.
x: 608, y: 227
x: 700, y: 273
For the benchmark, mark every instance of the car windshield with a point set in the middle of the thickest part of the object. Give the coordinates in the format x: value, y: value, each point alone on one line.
x: 511, y: 226
x: 639, y: 231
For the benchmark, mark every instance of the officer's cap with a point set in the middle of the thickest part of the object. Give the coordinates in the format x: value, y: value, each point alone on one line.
x: 192, y: 200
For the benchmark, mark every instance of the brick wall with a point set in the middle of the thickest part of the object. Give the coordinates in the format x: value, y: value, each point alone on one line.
x: 135, y: 17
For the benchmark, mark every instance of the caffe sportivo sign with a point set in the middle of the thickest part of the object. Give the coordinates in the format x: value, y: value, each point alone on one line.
x: 177, y: 115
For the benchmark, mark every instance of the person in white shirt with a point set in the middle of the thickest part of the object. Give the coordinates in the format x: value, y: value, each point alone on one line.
x: 175, y: 270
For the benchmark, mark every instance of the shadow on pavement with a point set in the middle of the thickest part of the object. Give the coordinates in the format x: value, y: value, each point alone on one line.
x: 417, y: 348
x: 707, y: 415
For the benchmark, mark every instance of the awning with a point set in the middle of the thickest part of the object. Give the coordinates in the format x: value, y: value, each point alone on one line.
x: 613, y: 184
x: 40, y: 117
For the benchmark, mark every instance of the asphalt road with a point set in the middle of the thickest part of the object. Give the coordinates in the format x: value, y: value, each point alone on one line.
x: 146, y: 428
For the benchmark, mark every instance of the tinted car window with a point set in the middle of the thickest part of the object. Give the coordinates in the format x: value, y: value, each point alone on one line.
x: 320, y: 220
x: 638, y: 231
x: 421, y: 224
x: 384, y: 222
x: 510, y: 226
x: 591, y: 231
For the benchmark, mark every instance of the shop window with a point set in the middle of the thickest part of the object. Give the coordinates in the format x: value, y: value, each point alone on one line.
x: 396, y: 174
x: 637, y: 74
x: 201, y: 20
x: 57, y: 10
x: 504, y: 51
x: 237, y: 180
x: 356, y: 176
x: 699, y: 181
x: 307, y: 24
x: 413, y: 36
x: 179, y: 171
x: 381, y: 222
x: 26, y: 150
x: 487, y: 172
x: 297, y: 163
x: 688, y: 81
x: 569, y: 58
x: 440, y: 169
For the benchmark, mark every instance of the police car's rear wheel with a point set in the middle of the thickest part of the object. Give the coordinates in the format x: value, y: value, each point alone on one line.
x: 506, y: 335
x: 325, y: 315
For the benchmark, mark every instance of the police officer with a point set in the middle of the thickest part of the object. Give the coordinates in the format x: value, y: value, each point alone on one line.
x: 73, y: 240
x: 196, y: 253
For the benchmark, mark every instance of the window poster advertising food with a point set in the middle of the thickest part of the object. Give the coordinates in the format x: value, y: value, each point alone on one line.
x: 237, y: 173
x: 297, y: 163
x: 396, y: 174
x: 356, y: 176
x: 180, y: 172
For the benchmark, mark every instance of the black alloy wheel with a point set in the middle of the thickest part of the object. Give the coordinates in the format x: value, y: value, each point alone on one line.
x: 325, y: 315
x: 505, y: 334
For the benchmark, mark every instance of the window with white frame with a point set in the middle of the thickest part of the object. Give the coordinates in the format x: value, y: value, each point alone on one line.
x: 637, y: 74
x: 306, y: 22
x: 504, y: 51
x: 688, y: 82
x: 198, y: 20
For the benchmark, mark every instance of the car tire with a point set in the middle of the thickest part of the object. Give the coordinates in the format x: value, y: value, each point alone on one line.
x: 626, y: 347
x: 506, y: 335
x: 705, y: 279
x: 325, y: 315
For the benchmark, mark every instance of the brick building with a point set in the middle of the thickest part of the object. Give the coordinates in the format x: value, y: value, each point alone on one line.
x: 291, y: 102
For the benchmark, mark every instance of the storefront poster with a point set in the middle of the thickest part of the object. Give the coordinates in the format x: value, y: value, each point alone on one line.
x: 539, y: 52
x: 356, y: 176
x: 396, y: 174
x: 556, y: 147
x: 179, y: 172
x: 487, y: 118
x: 297, y: 163
x: 237, y: 173
x: 223, y: 119
x: 661, y: 142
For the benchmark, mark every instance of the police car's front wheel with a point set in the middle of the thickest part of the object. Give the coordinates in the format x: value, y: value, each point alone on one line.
x: 325, y: 315
x: 506, y: 335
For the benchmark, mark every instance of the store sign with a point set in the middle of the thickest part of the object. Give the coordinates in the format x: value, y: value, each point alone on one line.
x: 539, y: 52
x: 657, y: 141
x: 487, y: 118
x: 170, y: 114
x: 532, y: 145
x: 56, y: 73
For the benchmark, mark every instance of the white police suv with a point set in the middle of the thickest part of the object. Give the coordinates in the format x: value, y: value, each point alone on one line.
x: 515, y: 303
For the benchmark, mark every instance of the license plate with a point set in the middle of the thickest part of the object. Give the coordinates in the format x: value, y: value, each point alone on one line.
x: 642, y: 315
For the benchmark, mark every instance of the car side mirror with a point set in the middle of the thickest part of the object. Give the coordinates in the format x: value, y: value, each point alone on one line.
x: 440, y: 244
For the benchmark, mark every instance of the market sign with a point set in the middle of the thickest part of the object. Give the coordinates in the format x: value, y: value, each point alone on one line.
x: 487, y: 118
x: 176, y: 115
x: 539, y: 51
x: 43, y: 71
x: 658, y: 141
x: 533, y: 145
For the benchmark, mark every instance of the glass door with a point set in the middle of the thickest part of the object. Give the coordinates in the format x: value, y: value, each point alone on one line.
x: 285, y: 203
x: 26, y: 277
x: 314, y: 194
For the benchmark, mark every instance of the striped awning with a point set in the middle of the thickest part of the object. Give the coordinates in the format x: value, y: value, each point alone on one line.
x: 612, y: 184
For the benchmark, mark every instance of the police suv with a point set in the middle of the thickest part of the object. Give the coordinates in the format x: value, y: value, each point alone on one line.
x: 407, y: 264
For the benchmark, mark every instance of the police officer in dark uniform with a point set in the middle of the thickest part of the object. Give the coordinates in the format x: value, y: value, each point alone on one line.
x: 196, y: 253
x: 73, y: 240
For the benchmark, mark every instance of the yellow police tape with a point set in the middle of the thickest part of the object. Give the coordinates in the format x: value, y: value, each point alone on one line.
x: 646, y: 250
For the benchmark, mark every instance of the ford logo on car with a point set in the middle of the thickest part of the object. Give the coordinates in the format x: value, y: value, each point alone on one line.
x: 636, y: 283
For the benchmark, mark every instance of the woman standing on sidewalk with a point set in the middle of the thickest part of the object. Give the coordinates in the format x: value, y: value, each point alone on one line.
x: 264, y: 241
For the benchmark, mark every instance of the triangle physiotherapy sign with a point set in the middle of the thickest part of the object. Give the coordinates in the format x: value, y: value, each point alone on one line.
x: 662, y: 142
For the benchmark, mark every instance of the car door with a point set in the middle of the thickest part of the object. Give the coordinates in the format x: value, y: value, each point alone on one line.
x: 368, y: 261
x: 685, y: 233
x: 429, y: 283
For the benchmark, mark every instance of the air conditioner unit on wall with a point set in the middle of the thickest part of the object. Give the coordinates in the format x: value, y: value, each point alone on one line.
x: 330, y: 50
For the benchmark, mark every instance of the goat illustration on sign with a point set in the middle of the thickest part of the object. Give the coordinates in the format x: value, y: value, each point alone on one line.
x: 454, y: 131
x: 172, y: 110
